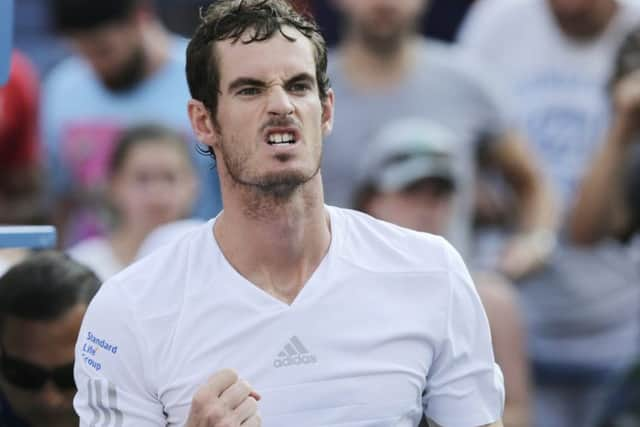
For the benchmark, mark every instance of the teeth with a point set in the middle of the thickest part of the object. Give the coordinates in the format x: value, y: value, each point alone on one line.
x: 280, y: 138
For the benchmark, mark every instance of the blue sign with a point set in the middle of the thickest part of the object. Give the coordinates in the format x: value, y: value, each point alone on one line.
x: 28, y: 236
x: 6, y: 36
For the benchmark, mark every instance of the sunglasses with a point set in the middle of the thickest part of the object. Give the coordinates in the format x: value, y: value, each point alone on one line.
x: 28, y: 376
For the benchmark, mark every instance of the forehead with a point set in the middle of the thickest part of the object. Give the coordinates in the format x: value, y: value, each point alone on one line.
x: 276, y: 57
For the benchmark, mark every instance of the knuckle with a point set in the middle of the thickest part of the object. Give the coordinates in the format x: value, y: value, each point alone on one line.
x: 215, y: 413
x: 199, y: 399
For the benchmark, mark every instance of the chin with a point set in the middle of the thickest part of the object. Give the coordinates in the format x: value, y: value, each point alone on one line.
x: 56, y: 420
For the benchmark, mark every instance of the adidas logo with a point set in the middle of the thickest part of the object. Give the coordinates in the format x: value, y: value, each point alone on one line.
x: 294, y: 353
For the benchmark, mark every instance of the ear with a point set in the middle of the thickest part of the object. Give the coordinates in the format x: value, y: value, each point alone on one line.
x: 201, y: 123
x: 327, y: 113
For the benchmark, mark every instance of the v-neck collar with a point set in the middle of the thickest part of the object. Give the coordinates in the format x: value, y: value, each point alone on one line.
x: 253, y: 294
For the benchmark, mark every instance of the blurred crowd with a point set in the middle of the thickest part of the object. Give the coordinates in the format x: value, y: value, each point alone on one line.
x: 508, y: 126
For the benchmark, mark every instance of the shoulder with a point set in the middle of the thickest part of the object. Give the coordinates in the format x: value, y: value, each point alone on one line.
x: 70, y: 74
x: 94, y: 244
x: 493, y: 17
x: 165, y: 271
x: 376, y: 245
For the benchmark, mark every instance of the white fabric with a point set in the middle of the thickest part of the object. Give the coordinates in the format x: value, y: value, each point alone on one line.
x: 388, y: 315
x: 559, y: 84
x: 97, y: 254
x: 165, y: 234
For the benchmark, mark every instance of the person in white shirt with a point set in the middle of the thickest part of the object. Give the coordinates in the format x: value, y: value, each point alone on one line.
x: 152, y: 181
x: 557, y: 56
x: 335, y: 318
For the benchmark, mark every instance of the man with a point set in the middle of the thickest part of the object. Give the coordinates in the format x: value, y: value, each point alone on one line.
x: 561, y: 101
x: 326, y: 311
x: 408, y: 177
x: 605, y: 221
x: 384, y: 70
x: 129, y: 69
x: 559, y: 97
x: 42, y: 301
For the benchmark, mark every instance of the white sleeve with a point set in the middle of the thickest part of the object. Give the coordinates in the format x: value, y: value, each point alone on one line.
x: 464, y: 385
x: 476, y: 30
x: 111, y: 368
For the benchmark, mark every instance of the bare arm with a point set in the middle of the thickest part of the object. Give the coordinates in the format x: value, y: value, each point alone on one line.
x: 508, y: 340
x: 600, y: 201
x: 496, y: 424
x: 537, y: 213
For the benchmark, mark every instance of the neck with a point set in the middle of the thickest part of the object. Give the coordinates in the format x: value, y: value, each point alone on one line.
x: 369, y: 68
x: 275, y: 244
x: 157, y: 47
x: 589, y: 27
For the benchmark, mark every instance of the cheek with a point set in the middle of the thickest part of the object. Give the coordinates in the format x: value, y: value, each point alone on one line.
x: 20, y: 400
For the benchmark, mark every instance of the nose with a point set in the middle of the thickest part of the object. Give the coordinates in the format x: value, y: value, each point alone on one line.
x: 279, y: 102
x: 51, y: 397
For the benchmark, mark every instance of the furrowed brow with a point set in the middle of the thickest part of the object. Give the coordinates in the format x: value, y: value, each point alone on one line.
x: 302, y: 78
x: 245, y: 81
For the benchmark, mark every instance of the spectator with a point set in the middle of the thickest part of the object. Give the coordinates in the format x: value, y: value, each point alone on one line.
x: 42, y: 302
x: 606, y: 219
x: 559, y: 97
x: 383, y: 62
x: 151, y: 182
x: 579, y: 327
x: 127, y: 69
x: 20, y: 165
x: 408, y: 177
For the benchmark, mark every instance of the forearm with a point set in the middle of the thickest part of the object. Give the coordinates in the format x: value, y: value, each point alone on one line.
x: 592, y: 216
x: 496, y: 424
x: 536, y: 208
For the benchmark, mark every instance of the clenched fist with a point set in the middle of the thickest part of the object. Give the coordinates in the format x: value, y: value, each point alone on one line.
x: 224, y: 401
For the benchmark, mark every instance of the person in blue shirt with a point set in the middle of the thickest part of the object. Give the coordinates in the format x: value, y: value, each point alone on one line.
x: 127, y: 69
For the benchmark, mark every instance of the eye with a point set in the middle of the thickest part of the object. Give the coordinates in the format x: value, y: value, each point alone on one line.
x: 248, y: 91
x: 300, y: 87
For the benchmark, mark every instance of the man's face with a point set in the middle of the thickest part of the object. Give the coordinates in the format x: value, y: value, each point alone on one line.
x: 582, y: 19
x: 115, y: 52
x: 382, y: 24
x: 425, y: 206
x: 47, y: 344
x: 271, y: 119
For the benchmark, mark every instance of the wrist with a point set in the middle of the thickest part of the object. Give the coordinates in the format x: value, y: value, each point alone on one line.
x: 623, y: 128
x: 542, y: 241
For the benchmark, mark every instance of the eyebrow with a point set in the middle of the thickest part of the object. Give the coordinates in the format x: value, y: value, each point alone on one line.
x: 249, y: 81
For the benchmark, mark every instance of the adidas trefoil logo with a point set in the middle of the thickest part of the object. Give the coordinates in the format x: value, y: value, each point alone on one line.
x: 294, y: 353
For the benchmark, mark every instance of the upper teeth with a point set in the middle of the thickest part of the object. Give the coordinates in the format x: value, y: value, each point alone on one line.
x: 277, y: 138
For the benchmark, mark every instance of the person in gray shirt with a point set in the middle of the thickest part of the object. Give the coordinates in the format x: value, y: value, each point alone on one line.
x: 384, y: 70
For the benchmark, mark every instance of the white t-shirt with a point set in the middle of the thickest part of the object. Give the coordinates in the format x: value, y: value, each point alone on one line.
x: 388, y: 326
x: 97, y: 254
x: 559, y: 84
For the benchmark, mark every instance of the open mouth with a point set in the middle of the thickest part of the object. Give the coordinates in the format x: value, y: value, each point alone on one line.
x: 281, y: 138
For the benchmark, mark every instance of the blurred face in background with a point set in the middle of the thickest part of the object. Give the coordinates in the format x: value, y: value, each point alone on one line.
x: 382, y: 24
x: 582, y: 19
x: 115, y: 52
x: 424, y: 206
x: 47, y: 345
x: 155, y: 184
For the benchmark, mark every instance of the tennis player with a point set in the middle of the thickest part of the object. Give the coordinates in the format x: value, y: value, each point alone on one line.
x: 283, y: 311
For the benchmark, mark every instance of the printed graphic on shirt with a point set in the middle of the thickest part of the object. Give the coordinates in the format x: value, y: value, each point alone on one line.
x: 103, y: 403
x: 93, y: 348
x: 294, y: 353
x: 86, y: 150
